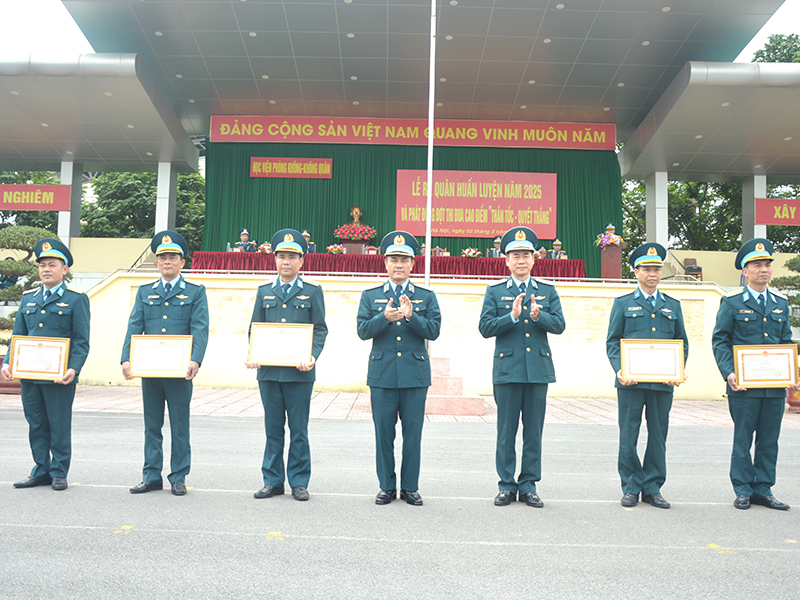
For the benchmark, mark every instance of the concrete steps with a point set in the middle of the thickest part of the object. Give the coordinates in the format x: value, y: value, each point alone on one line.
x: 446, y: 394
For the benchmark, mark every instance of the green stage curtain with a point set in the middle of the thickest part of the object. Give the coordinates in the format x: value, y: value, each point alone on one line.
x: 589, y: 191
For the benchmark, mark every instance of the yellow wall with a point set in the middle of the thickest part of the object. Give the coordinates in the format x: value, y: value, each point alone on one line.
x: 105, y: 255
x: 582, y: 368
x: 718, y: 266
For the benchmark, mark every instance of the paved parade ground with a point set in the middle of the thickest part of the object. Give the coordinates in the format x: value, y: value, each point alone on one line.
x: 96, y: 540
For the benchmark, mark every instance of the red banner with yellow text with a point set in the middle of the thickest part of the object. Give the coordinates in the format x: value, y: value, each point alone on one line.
x: 777, y: 211
x: 293, y: 168
x: 34, y: 197
x: 413, y: 132
x: 477, y: 203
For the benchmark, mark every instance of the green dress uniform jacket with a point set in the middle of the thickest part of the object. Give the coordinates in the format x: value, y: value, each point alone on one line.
x: 47, y: 405
x: 249, y: 246
x: 634, y: 317
x: 399, y: 375
x: 523, y: 366
x: 742, y: 321
x: 181, y: 311
x: 286, y: 391
x: 398, y: 358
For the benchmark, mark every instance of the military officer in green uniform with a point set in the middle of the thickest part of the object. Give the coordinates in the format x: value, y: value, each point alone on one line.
x: 168, y: 306
x: 286, y: 391
x: 494, y: 251
x: 519, y: 313
x: 51, y: 310
x: 556, y: 252
x: 753, y: 316
x: 245, y: 244
x: 398, y: 317
x: 646, y: 313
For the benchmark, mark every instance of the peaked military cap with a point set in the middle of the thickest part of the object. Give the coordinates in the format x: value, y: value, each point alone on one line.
x: 519, y: 238
x: 169, y: 241
x: 497, y: 239
x: 648, y: 253
x: 289, y: 240
x: 399, y: 243
x: 243, y: 232
x: 306, y: 233
x: 610, y: 226
x: 52, y: 248
x: 557, y: 241
x: 755, y: 249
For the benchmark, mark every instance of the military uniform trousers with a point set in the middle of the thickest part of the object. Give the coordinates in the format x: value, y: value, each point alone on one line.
x: 387, y: 404
x: 48, y: 410
x: 282, y: 401
x: 177, y: 393
x: 529, y: 400
x: 755, y: 476
x: 648, y: 476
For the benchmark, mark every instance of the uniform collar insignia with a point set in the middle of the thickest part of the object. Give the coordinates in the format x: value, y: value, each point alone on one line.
x: 410, y: 287
x: 386, y: 287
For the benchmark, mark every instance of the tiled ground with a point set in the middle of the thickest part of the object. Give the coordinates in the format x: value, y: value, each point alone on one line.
x: 342, y: 405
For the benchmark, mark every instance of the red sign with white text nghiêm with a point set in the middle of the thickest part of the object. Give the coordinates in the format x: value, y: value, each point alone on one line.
x: 34, y: 197
x: 293, y: 168
x: 477, y: 203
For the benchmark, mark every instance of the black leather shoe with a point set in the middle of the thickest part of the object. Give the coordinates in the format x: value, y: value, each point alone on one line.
x: 59, y: 484
x: 656, y: 500
x: 412, y: 498
x: 300, y: 493
x: 531, y: 499
x: 505, y: 497
x: 147, y: 486
x: 769, y: 502
x: 268, y: 491
x: 385, y: 496
x: 29, y: 482
x: 629, y: 500
x: 742, y: 502
x: 178, y: 488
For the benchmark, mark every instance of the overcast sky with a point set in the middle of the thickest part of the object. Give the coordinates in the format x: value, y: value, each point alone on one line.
x: 44, y: 26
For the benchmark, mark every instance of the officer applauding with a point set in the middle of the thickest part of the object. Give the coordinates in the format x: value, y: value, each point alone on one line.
x: 286, y: 391
x: 519, y: 313
x: 168, y: 306
x: 753, y: 316
x: 52, y: 311
x: 245, y: 244
x: 646, y: 313
x: 398, y: 317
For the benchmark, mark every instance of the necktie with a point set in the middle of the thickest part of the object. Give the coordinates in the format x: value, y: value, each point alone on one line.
x: 397, y: 294
x: 653, y: 300
x: 168, y: 287
x: 286, y: 287
x: 758, y: 299
x: 46, y: 295
x: 522, y: 287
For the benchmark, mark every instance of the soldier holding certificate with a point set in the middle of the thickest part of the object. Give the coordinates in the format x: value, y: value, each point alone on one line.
x: 51, y: 311
x: 519, y: 312
x: 286, y: 391
x: 168, y: 306
x: 398, y: 317
x: 753, y: 316
x: 646, y: 313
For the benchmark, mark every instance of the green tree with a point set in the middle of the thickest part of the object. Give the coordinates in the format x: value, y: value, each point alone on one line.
x: 44, y: 219
x: 780, y: 48
x: 126, y: 207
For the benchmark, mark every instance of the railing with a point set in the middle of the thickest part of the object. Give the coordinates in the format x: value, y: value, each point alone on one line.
x: 140, y: 259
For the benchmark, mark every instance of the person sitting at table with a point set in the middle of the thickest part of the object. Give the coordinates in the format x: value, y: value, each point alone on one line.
x: 495, y: 252
x: 245, y: 245
x: 556, y: 252
x: 312, y: 247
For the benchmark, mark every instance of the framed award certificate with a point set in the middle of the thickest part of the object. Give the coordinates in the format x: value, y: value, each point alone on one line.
x: 160, y: 355
x: 652, y: 361
x: 43, y: 358
x: 281, y: 344
x: 767, y: 366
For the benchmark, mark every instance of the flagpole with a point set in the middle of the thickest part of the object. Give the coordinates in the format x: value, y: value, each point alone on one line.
x: 431, y: 106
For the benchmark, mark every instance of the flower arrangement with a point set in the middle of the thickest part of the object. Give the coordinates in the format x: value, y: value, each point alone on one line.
x: 607, y: 239
x: 265, y: 248
x: 336, y: 249
x: 351, y: 231
x: 471, y: 252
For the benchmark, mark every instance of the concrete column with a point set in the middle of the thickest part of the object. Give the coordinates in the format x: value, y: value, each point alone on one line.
x: 166, y: 196
x: 752, y: 188
x: 656, y: 211
x: 69, y: 221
